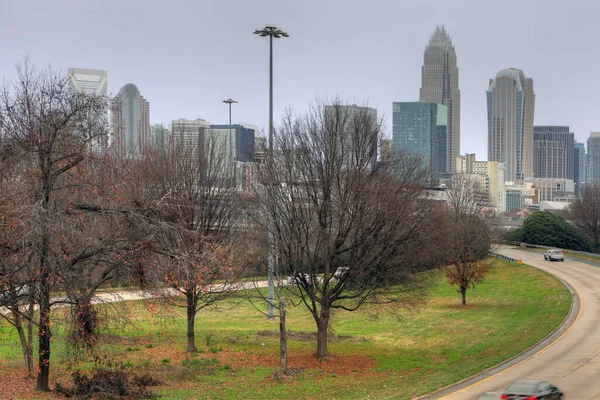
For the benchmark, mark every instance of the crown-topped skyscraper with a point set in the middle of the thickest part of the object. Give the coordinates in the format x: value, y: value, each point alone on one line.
x: 439, y: 84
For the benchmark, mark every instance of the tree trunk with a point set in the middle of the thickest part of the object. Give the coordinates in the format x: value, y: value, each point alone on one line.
x: 44, y: 335
x: 322, y: 328
x: 191, y: 319
x: 463, y: 293
x: 25, y: 345
x: 283, y: 355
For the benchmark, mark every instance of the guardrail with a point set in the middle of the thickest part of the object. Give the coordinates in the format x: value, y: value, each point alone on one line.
x: 536, y: 246
x: 507, y: 258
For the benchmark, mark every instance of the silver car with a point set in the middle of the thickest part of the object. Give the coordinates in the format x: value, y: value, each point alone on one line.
x: 554, y: 254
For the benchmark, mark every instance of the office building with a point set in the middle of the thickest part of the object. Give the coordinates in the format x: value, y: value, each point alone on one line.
x: 439, y: 84
x: 130, y: 114
x: 242, y: 140
x: 361, y: 131
x: 553, y: 148
x: 88, y: 81
x: 420, y: 128
x: 493, y: 178
x: 553, y: 189
x: 160, y: 137
x: 578, y: 166
x: 593, y: 159
x: 187, y: 134
x: 510, y: 109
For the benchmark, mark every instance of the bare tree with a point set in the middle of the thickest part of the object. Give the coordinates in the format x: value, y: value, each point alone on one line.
x: 584, y: 213
x: 53, y: 130
x: 188, y: 216
x: 469, y: 233
x: 346, y: 227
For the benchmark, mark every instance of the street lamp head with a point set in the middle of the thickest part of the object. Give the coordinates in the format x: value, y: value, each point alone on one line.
x: 229, y: 101
x: 272, y: 31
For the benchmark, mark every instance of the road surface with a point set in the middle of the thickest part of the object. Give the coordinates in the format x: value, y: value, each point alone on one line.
x: 572, y: 360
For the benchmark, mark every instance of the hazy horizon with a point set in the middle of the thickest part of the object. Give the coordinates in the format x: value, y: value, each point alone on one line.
x: 187, y: 57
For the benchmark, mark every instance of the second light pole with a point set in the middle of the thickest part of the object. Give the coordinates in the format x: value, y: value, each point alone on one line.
x: 273, y: 33
x: 230, y: 102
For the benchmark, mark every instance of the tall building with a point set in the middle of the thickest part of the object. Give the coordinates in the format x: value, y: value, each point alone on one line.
x: 493, y: 173
x: 593, y: 159
x: 439, y: 84
x: 187, y: 134
x: 553, y: 148
x: 89, y: 81
x: 510, y: 108
x: 420, y: 128
x: 130, y: 121
x: 578, y: 166
x: 358, y: 120
x: 242, y: 141
x: 160, y: 137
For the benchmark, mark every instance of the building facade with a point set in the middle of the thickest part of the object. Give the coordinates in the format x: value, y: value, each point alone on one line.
x: 89, y: 81
x: 553, y: 189
x: 579, y: 166
x: 187, y: 134
x: 493, y: 173
x: 593, y: 159
x: 130, y: 115
x: 420, y: 128
x: 439, y: 84
x: 242, y: 141
x: 553, y: 152
x: 510, y: 109
x: 160, y: 137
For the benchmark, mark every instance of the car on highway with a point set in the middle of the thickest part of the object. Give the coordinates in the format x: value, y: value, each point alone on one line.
x: 554, y: 254
x: 532, y: 389
x: 294, y: 279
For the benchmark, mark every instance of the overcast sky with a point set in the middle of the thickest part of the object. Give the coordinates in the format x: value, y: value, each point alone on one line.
x: 188, y: 56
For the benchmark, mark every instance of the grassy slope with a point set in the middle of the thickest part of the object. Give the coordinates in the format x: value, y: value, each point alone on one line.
x: 383, y: 356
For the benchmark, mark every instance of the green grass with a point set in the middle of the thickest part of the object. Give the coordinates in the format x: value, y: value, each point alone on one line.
x: 408, y: 354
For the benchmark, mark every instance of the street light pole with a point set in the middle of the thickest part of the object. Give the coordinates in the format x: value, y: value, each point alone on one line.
x: 230, y: 102
x: 271, y: 32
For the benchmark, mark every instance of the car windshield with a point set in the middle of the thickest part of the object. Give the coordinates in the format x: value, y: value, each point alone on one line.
x: 523, y: 387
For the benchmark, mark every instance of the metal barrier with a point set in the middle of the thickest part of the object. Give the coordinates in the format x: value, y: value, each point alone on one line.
x: 536, y: 246
x: 507, y: 258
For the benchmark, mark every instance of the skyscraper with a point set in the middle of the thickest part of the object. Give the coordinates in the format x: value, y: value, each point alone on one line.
x: 593, y: 159
x: 420, y: 129
x: 439, y: 84
x: 510, y: 108
x: 188, y: 134
x: 130, y: 121
x: 89, y: 81
x: 553, y: 148
x: 579, y: 166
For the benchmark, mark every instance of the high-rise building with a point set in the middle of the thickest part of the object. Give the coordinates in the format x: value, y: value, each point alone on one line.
x: 578, y: 166
x: 242, y: 141
x: 593, y: 159
x: 553, y: 148
x: 420, y: 128
x: 510, y: 108
x: 187, y: 134
x: 130, y: 121
x: 358, y: 121
x: 160, y: 137
x: 88, y: 81
x: 493, y: 172
x: 439, y: 84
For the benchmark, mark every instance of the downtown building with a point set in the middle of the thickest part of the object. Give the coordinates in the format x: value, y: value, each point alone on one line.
x: 553, y: 152
x: 492, y: 178
x: 592, y: 176
x: 88, y: 81
x: 579, y: 166
x: 439, y: 84
x: 420, y: 129
x: 130, y: 117
x: 510, y: 110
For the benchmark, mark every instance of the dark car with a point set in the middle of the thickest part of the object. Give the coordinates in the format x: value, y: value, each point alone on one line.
x: 530, y: 389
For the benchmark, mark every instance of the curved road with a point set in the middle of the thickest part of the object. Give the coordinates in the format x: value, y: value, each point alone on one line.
x: 572, y: 362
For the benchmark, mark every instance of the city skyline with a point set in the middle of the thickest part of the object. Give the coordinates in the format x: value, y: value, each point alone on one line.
x: 331, y: 50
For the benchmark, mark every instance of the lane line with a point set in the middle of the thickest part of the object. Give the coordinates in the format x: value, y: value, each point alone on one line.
x: 531, y: 356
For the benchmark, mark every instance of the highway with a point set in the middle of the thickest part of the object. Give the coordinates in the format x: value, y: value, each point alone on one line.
x: 571, y: 360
